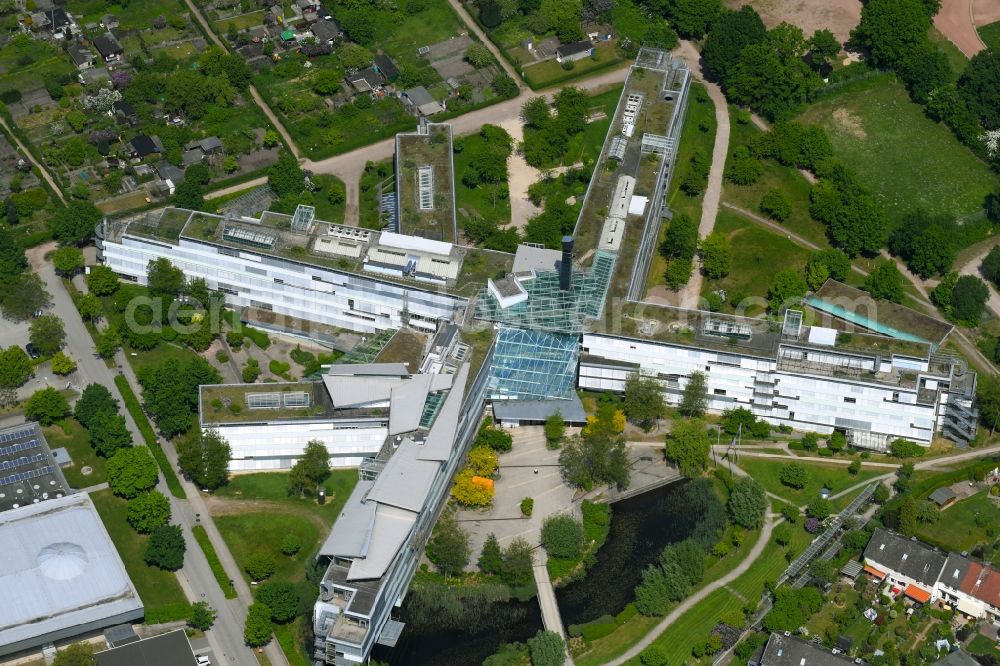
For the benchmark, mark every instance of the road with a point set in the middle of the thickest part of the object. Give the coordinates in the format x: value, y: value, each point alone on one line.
x: 196, y: 12
x: 196, y: 578
x: 31, y: 158
x: 690, y: 294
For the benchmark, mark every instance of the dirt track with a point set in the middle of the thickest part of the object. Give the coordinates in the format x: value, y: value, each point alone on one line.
x: 955, y: 21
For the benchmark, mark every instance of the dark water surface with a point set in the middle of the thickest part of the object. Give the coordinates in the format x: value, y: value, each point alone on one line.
x: 640, y: 528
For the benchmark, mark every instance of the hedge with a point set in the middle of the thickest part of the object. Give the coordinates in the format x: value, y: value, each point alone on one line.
x: 174, y: 612
x: 141, y: 422
x: 221, y: 577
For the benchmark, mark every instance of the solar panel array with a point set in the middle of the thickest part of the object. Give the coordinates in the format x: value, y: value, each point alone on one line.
x: 24, y: 476
x: 19, y: 434
x: 22, y: 461
x: 17, y: 448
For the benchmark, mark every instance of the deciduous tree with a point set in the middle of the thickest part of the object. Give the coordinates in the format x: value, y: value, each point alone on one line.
x: 67, y: 260
x: 47, y: 334
x: 747, y: 503
x: 448, y: 547
x: 23, y: 297
x: 163, y: 278
x: 694, y: 399
x: 165, y: 548
x: 281, y: 598
x: 131, y: 471
x: 730, y: 33
x: 108, y: 434
x: 716, y: 256
x: 562, y: 536
x: 643, y: 400
x: 15, y: 367
x: 204, y: 456
x: 688, y: 446
x: 260, y: 565
x: 148, y: 511
x: 62, y: 364
x: 257, y: 628
x: 516, y: 563
x: 794, y: 475
x: 491, y: 558
x: 547, y: 648
x: 46, y: 406
x: 102, y: 281
x: 885, y: 281
x: 310, y: 471
x: 202, y: 616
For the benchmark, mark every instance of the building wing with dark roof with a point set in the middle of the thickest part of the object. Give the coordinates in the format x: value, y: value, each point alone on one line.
x: 791, y: 651
x: 943, y: 496
x: 574, y: 51
x: 956, y: 658
x: 909, y: 559
x: 365, y: 80
x: 170, y: 649
x: 80, y: 55
x: 143, y: 145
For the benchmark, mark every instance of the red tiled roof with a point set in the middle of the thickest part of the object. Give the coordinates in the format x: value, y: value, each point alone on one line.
x: 983, y: 583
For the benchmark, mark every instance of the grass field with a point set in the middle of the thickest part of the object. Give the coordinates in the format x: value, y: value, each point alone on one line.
x: 70, y: 434
x: 957, y: 528
x: 955, y: 57
x: 834, y: 477
x: 756, y: 252
x: 550, y: 72
x: 787, y: 180
x: 698, y: 135
x: 252, y: 532
x: 908, y: 160
x: 158, y: 589
x: 991, y: 35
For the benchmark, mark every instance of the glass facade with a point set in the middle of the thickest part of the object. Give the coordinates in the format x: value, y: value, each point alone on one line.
x: 548, y: 308
x: 532, y: 365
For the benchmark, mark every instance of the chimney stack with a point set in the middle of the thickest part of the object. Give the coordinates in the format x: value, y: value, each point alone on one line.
x: 566, y: 266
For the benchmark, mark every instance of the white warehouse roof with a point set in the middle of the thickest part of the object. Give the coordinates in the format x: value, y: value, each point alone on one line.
x: 60, y: 574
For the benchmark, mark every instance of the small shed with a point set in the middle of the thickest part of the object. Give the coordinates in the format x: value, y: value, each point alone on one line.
x: 386, y: 67
x: 943, y: 497
x: 420, y: 102
x: 574, y: 51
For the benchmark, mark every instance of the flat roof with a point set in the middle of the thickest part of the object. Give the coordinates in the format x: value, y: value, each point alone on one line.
x: 29, y: 472
x: 172, y: 224
x: 430, y: 146
x: 170, y: 649
x: 571, y: 410
x: 791, y: 651
x: 882, y: 316
x: 60, y: 571
x: 225, y: 404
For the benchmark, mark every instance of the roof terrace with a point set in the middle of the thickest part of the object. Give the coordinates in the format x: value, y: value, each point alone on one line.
x: 227, y: 404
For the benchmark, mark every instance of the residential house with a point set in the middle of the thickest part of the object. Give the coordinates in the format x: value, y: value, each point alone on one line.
x: 60, y: 23
x: 124, y: 112
x: 786, y: 650
x: 109, y: 47
x: 970, y: 587
x: 326, y: 31
x: 144, y: 145
x: 313, y: 50
x: 192, y: 156
x: 420, y: 102
x: 170, y: 174
x: 909, y: 566
x: 386, y: 67
x: 81, y: 56
x: 109, y: 21
x: 943, y: 497
x: 365, y: 80
x: 574, y: 51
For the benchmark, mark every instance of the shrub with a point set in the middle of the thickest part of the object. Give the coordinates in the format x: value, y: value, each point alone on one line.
x: 222, y: 356
x: 904, y: 448
x: 562, y: 536
x: 260, y: 566
x: 290, y: 544
x: 775, y: 205
x: 794, y: 475
x: 527, y: 506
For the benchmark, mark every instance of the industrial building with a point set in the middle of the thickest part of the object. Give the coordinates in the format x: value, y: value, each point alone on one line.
x: 29, y: 471
x: 170, y: 649
x: 62, y: 576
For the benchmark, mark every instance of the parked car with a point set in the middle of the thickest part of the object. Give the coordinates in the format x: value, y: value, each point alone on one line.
x: 32, y: 350
x: 203, y: 660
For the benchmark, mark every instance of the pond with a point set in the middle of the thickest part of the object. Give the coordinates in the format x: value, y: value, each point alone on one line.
x: 641, y: 527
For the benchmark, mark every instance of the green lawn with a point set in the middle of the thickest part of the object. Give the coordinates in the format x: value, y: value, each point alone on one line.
x: 991, y: 35
x: 834, y: 477
x: 253, y: 532
x: 787, y: 180
x: 550, y: 72
x: 955, y: 57
x: 273, y: 486
x: 159, y: 590
x: 957, y: 529
x: 756, y: 252
x: 982, y: 645
x: 908, y: 160
x: 698, y: 135
x: 70, y: 434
